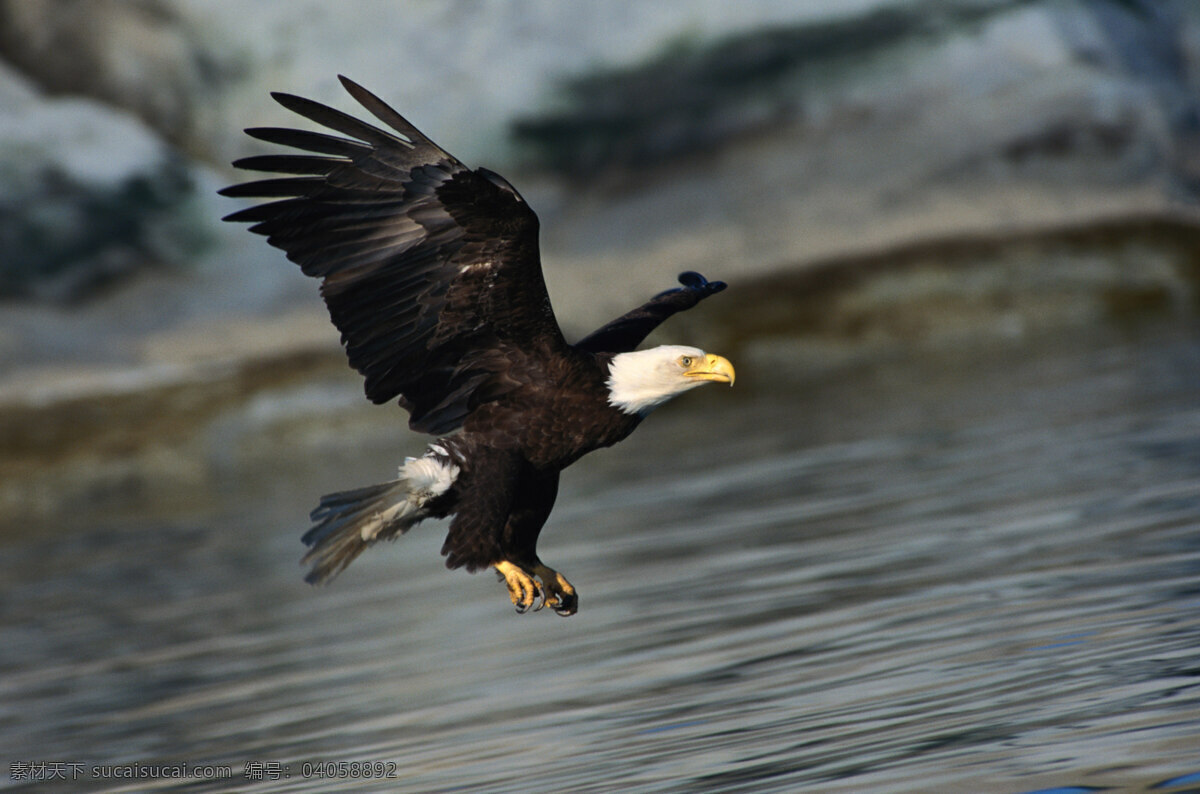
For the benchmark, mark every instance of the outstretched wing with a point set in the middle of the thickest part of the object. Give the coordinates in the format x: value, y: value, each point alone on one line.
x: 627, y: 331
x: 430, y: 270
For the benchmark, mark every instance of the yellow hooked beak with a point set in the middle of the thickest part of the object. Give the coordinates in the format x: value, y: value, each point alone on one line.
x: 711, y: 367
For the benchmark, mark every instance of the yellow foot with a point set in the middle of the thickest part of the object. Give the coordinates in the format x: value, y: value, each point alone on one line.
x: 522, y: 588
x: 555, y: 591
x: 560, y: 595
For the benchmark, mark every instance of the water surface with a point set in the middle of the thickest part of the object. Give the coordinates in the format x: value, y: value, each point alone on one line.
x: 947, y: 571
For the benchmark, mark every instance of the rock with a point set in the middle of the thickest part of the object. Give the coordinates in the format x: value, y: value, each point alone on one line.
x: 768, y: 149
x: 199, y: 70
x: 90, y: 195
x: 150, y: 57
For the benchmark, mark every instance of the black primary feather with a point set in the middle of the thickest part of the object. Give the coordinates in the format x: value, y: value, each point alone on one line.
x: 421, y: 258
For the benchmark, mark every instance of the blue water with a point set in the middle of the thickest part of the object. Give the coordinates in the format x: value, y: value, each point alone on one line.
x: 942, y: 571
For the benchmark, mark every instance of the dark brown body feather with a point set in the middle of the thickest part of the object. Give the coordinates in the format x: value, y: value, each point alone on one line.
x: 512, y: 451
x: 431, y: 272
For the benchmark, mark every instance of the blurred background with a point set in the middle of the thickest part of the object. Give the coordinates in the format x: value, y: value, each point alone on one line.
x: 943, y: 533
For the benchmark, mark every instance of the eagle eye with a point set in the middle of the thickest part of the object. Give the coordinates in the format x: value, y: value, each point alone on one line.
x: 685, y: 361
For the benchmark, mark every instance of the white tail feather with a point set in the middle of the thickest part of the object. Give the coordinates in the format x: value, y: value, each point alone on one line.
x: 349, y: 521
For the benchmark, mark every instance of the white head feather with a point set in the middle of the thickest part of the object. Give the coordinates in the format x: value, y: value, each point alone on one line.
x: 640, y: 381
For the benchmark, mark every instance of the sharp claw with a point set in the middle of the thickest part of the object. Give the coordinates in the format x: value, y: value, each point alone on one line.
x: 523, y: 590
x: 548, y: 589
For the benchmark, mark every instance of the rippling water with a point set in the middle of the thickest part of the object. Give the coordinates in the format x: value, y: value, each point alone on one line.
x: 953, y: 572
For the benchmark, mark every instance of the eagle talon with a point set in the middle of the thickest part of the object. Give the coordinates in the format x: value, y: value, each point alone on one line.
x: 560, y: 594
x: 568, y: 606
x: 527, y: 599
x: 523, y: 589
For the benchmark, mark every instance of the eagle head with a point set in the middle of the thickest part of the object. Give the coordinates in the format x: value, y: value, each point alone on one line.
x: 640, y: 381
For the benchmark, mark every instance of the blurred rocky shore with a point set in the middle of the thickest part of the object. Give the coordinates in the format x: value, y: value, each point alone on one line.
x: 867, y: 176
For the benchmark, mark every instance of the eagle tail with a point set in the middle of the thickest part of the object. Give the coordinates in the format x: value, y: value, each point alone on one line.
x: 347, y: 522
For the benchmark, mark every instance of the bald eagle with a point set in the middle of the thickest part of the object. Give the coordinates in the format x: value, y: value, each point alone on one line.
x: 431, y: 272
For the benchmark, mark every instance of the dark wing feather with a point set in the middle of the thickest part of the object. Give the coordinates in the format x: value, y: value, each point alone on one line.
x: 430, y: 270
x: 629, y: 330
